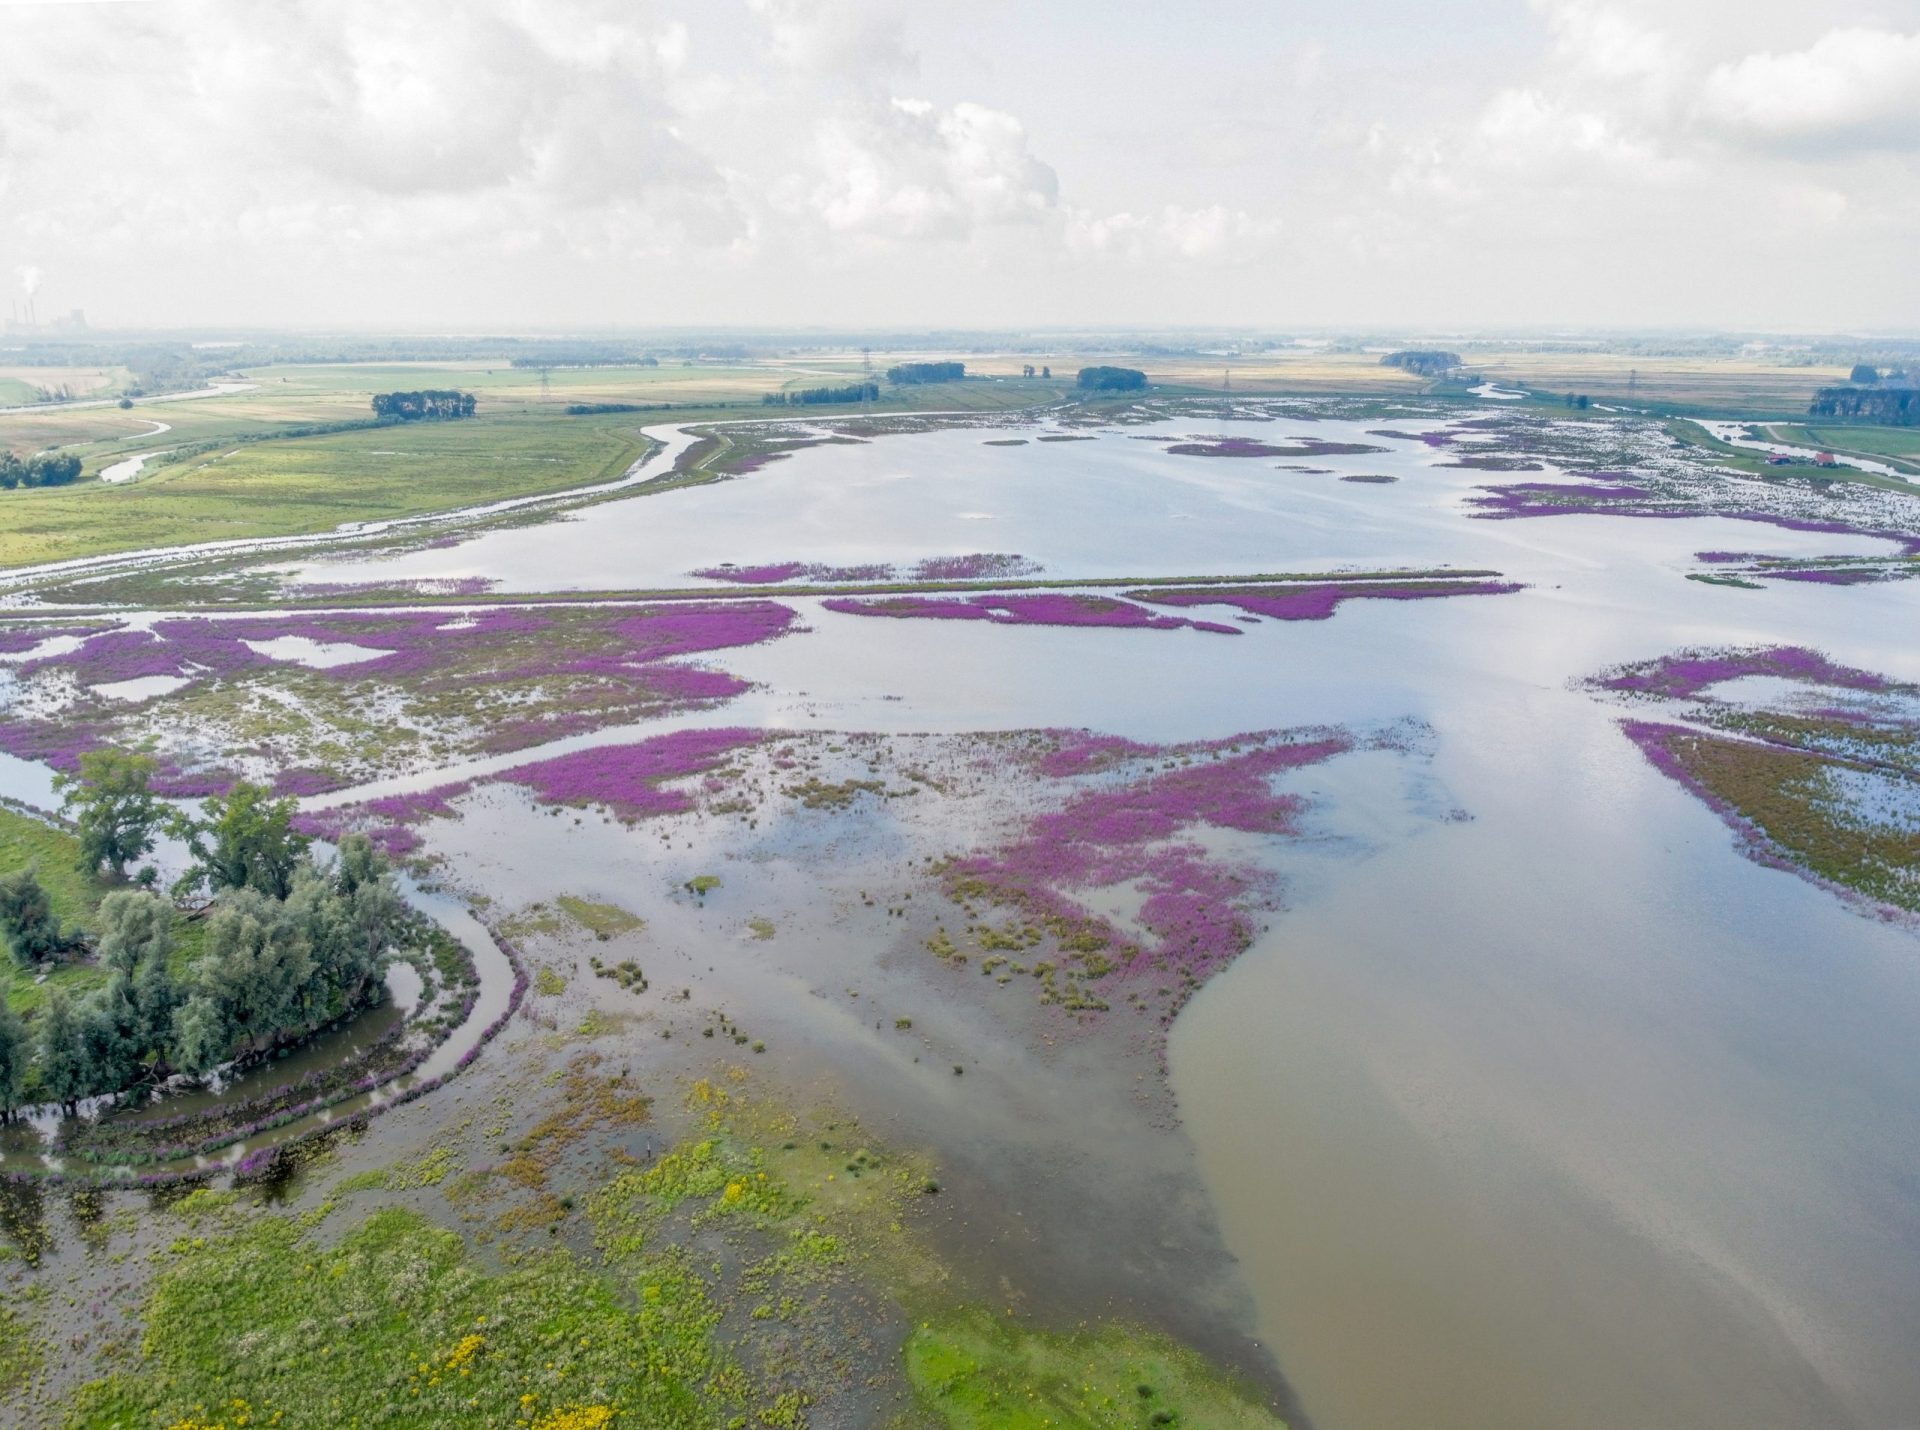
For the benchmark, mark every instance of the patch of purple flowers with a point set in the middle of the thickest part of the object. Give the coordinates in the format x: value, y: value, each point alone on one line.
x: 412, y: 585
x: 1318, y: 601
x: 1528, y: 499
x: 1554, y: 498
x: 303, y: 782
x: 754, y: 575
x: 1195, y: 904
x: 1850, y: 576
x: 1684, y: 675
x: 629, y: 779
x: 977, y: 566
x: 413, y: 644
x: 384, y: 820
x: 1040, y: 609
x: 15, y: 640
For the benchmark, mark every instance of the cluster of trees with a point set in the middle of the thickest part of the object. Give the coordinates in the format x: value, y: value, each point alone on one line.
x: 271, y: 971
x: 1028, y: 371
x: 432, y: 404
x: 289, y: 945
x: 906, y: 373
x: 28, y: 925
x: 1578, y: 401
x: 1427, y: 362
x: 48, y: 469
x: 814, y: 396
x: 1886, y: 406
x: 1112, y: 379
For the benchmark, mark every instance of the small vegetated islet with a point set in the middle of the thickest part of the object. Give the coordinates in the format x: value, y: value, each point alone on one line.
x: 1038, y: 609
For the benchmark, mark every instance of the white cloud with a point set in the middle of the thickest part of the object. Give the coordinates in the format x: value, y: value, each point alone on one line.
x: 908, y: 170
x: 1852, y: 89
x: 737, y: 160
x: 1214, y: 234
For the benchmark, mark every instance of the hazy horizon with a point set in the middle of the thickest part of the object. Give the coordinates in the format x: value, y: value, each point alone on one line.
x: 500, y: 165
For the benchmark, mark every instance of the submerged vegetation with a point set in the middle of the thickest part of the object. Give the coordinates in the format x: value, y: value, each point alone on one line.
x: 1828, y: 784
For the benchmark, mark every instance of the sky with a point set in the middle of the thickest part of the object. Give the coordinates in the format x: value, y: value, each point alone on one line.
x: 457, y: 165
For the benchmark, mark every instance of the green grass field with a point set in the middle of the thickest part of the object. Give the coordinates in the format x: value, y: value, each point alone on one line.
x: 1899, y: 445
x: 314, y: 484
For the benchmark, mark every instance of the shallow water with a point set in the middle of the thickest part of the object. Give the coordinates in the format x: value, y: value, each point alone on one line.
x: 127, y: 468
x: 1114, y: 506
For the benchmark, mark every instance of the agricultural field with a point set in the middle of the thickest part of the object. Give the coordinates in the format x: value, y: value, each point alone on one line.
x: 28, y: 384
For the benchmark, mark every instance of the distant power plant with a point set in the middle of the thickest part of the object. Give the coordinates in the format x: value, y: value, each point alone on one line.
x: 23, y: 321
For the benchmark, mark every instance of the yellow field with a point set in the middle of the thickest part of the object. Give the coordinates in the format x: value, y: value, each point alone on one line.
x: 1732, y: 385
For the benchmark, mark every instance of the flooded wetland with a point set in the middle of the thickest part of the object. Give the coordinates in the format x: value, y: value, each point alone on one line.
x: 1359, y: 913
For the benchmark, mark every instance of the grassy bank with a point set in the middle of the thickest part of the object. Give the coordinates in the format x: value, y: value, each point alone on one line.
x: 315, y: 484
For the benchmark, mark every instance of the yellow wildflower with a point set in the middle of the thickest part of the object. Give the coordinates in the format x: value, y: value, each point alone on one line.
x: 578, y: 1417
x: 468, y: 1348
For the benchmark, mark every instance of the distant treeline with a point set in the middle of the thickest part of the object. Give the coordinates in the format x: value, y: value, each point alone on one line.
x: 814, y: 396
x: 1887, y: 406
x: 907, y: 373
x: 434, y: 404
x: 48, y: 469
x: 595, y: 409
x: 1112, y: 379
x: 1426, y: 362
x: 587, y: 357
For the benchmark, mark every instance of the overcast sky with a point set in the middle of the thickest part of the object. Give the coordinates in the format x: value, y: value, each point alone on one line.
x: 1274, y: 163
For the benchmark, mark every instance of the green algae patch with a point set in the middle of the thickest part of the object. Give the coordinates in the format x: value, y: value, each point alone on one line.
x: 600, y: 920
x: 23, y: 1351
x: 976, y: 1371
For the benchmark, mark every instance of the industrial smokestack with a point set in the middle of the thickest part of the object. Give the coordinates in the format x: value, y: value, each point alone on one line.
x: 29, y: 284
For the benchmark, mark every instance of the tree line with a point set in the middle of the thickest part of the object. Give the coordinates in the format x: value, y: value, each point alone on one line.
x: 432, y: 404
x: 582, y: 357
x: 289, y: 944
x: 1112, y: 379
x: 1427, y: 362
x: 907, y: 373
x: 47, y: 469
x: 1885, y: 406
x: 814, y: 396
